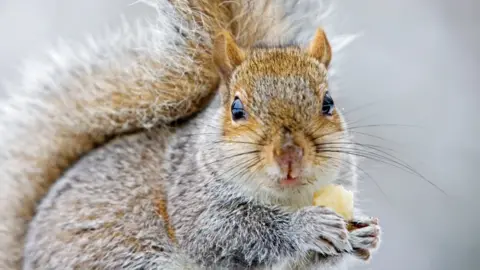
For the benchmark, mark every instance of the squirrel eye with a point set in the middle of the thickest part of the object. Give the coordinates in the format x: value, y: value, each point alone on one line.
x: 238, y: 112
x: 328, y: 105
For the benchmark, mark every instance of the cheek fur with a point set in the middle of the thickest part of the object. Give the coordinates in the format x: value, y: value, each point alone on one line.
x: 267, y: 156
x: 326, y: 133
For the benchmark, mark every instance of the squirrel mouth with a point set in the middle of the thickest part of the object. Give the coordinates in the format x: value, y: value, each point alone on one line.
x: 290, y: 180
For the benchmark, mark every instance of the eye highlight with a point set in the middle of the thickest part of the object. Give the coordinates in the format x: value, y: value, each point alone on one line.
x: 328, y: 104
x: 238, y: 111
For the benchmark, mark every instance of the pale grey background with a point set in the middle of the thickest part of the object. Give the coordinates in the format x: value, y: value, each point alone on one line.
x: 416, y: 64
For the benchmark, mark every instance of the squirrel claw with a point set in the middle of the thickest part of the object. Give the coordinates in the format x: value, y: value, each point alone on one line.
x: 364, y: 237
x: 363, y: 254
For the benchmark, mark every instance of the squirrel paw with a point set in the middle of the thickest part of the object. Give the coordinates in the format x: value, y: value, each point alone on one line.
x: 364, y: 237
x: 322, y: 231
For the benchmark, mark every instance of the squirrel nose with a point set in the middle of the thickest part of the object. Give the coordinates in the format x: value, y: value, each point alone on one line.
x: 289, y: 152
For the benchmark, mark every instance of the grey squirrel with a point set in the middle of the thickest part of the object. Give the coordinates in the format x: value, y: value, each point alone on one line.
x: 181, y: 194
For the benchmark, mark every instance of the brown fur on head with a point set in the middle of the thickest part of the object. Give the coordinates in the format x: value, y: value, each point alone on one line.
x: 282, y: 92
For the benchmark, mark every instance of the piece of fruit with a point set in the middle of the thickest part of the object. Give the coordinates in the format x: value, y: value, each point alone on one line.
x: 337, y: 198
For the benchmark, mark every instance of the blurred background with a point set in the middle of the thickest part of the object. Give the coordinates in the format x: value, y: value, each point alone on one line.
x: 409, y: 84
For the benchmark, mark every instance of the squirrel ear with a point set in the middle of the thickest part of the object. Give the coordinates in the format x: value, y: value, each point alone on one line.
x: 320, y: 48
x: 226, y: 53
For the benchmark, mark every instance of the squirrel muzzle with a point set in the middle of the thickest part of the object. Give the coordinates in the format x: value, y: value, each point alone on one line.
x: 289, y: 156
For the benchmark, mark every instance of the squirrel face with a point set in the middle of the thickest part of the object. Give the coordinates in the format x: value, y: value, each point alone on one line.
x: 277, y: 109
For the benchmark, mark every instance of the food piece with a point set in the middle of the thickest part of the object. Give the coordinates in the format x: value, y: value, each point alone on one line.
x: 337, y: 198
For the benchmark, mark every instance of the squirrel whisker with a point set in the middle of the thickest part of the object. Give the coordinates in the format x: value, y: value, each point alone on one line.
x: 232, y: 156
x: 382, y: 159
x: 383, y: 125
x: 232, y: 141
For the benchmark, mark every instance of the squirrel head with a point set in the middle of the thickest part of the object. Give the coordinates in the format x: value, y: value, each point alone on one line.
x: 278, y: 114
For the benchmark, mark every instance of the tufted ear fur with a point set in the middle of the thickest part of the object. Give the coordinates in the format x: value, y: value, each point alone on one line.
x: 320, y: 48
x: 226, y: 54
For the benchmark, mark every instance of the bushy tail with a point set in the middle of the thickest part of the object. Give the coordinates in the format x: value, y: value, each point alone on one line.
x: 133, y: 79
